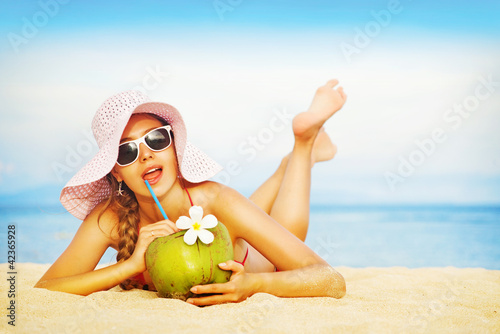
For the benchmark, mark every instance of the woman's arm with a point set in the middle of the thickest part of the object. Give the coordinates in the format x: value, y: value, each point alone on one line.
x: 317, y: 280
x: 73, y: 271
x: 90, y: 282
x: 303, y: 272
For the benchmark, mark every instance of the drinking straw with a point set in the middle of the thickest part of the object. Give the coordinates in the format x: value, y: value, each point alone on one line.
x: 156, y: 199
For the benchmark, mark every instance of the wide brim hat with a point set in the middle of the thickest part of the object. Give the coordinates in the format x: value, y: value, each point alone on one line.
x: 89, y: 186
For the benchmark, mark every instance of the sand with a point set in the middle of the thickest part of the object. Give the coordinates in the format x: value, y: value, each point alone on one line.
x: 378, y: 300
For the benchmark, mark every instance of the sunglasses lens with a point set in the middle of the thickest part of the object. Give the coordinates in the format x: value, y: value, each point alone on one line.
x: 158, y: 139
x: 127, y: 153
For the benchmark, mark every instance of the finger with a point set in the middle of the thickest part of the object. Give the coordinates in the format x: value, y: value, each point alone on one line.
x: 213, y: 288
x: 170, y: 229
x: 161, y: 233
x: 234, y: 266
x: 332, y: 83
x: 153, y: 234
x: 162, y: 230
x: 214, y: 299
x: 170, y: 224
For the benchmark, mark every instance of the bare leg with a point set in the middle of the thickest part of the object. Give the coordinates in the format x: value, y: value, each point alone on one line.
x: 285, y: 195
x: 291, y: 205
x: 287, y: 192
x: 265, y: 195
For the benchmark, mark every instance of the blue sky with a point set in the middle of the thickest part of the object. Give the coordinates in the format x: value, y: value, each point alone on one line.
x: 407, y: 66
x: 462, y: 15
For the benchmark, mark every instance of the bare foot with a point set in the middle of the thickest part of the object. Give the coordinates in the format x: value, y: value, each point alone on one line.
x: 326, y: 102
x: 323, y: 148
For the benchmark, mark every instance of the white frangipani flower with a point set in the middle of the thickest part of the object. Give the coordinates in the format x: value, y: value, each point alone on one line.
x: 197, y: 226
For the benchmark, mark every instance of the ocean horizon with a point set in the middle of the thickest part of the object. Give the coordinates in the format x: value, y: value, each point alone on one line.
x: 368, y: 235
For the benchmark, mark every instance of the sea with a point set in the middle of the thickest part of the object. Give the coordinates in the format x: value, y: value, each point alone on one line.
x: 358, y: 236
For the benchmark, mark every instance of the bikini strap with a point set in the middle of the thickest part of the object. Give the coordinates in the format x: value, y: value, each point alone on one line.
x: 190, y: 200
x: 184, y: 186
x: 244, y: 260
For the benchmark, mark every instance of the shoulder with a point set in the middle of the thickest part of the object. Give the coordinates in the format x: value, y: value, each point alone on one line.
x: 222, y: 201
x: 211, y: 194
x: 105, y: 220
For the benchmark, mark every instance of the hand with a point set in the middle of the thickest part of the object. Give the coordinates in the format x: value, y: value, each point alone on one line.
x: 239, y: 287
x: 328, y: 98
x: 146, y: 235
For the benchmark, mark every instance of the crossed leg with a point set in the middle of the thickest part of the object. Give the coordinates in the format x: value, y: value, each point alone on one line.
x: 266, y: 195
x: 285, y: 196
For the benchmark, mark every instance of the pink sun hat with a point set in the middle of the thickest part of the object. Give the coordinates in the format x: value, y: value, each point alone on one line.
x: 88, y: 187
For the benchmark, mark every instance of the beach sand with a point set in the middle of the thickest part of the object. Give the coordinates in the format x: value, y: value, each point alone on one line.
x: 378, y: 300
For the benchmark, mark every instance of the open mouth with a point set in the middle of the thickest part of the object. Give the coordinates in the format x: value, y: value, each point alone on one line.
x: 153, y: 174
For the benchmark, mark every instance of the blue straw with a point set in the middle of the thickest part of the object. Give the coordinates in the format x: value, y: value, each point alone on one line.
x: 156, y: 199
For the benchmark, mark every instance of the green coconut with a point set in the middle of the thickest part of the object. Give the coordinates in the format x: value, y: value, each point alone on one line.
x: 175, y: 267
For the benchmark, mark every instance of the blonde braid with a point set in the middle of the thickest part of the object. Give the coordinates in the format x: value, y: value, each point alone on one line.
x: 127, y: 209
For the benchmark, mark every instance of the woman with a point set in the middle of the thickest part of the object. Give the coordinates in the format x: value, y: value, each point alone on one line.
x: 110, y: 196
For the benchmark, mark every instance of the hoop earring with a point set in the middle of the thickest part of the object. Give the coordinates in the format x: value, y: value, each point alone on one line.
x: 119, y: 192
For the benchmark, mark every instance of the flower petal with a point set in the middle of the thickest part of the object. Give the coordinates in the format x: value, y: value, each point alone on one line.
x: 184, y: 223
x: 209, y: 221
x: 196, y: 213
x: 205, y: 236
x: 190, y: 236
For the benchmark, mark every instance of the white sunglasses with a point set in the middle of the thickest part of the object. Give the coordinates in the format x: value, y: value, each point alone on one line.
x: 156, y: 140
